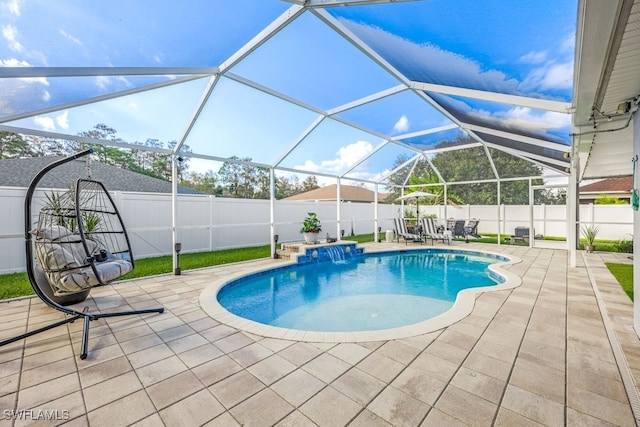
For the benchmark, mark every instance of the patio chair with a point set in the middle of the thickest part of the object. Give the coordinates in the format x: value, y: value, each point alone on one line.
x: 458, y: 228
x: 521, y: 234
x: 450, y: 224
x: 430, y: 231
x: 471, y: 228
x: 401, y: 231
x: 80, y: 242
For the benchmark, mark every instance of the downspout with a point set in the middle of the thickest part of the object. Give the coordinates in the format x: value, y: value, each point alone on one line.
x: 572, y: 209
x: 636, y: 229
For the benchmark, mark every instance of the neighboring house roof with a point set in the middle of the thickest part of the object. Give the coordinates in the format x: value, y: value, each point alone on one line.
x: 348, y: 193
x: 609, y: 186
x: 20, y: 172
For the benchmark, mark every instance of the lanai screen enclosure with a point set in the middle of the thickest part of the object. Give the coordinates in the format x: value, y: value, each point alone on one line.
x: 330, y: 88
x: 338, y: 89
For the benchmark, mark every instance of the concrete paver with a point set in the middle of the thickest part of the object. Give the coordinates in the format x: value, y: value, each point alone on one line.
x: 538, y: 354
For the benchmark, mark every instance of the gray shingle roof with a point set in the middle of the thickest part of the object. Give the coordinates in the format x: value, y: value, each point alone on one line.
x: 20, y: 172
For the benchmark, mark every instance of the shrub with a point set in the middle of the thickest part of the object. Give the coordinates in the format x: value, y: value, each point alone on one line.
x: 625, y: 246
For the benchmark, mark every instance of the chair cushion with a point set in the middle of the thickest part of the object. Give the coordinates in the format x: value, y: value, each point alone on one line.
x: 64, y: 260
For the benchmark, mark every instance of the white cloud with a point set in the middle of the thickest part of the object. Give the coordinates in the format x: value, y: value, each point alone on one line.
x: 53, y: 122
x: 369, y: 176
x: 402, y: 125
x: 525, y: 118
x: 432, y: 64
x: 558, y: 76
x: 46, y: 123
x: 11, y: 6
x: 107, y: 84
x: 534, y: 57
x: 13, y: 62
x: 102, y: 82
x: 550, y: 76
x: 70, y: 37
x: 62, y: 120
x: 568, y: 45
x: 10, y: 34
x: 346, y: 157
x: 555, y: 72
x: 517, y: 117
x: 26, y: 89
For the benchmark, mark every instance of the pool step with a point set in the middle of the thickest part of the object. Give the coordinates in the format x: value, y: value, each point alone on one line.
x: 286, y: 250
x: 290, y: 247
x: 283, y: 254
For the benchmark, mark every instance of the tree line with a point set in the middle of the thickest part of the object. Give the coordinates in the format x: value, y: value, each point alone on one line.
x: 472, y: 164
x: 238, y: 178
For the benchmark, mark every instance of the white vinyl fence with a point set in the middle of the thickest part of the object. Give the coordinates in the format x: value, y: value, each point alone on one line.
x: 204, y: 222
x: 208, y: 223
x: 615, y: 221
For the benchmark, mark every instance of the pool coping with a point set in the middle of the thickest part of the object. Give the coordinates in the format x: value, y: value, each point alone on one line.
x: 462, y: 307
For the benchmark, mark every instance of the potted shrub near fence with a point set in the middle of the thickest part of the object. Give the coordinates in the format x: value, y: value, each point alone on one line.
x: 311, y: 228
x: 589, y: 232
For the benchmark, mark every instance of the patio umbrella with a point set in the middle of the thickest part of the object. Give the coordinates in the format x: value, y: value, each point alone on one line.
x: 417, y: 195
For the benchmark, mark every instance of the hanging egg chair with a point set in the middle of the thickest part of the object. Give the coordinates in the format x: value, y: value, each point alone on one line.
x: 79, y: 242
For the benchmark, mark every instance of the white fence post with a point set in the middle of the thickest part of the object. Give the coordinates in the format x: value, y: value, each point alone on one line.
x: 212, y: 202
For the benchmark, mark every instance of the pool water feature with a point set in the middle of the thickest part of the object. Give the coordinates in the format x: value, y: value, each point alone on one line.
x: 360, y: 293
x: 327, y: 252
x: 337, y: 253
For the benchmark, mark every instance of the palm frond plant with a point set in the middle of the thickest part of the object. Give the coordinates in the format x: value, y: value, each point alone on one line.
x: 62, y: 208
x: 55, y: 202
x: 90, y: 222
x: 589, y: 232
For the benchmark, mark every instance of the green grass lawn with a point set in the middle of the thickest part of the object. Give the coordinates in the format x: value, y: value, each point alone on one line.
x: 624, y: 275
x: 164, y: 264
x: 17, y: 284
x: 14, y: 285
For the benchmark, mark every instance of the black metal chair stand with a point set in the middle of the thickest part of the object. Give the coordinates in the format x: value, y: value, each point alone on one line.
x: 94, y: 228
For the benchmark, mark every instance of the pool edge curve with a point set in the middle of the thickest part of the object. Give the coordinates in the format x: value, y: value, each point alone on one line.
x: 461, y: 308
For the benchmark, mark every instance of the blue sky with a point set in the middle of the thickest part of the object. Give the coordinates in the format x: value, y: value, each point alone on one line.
x: 520, y: 48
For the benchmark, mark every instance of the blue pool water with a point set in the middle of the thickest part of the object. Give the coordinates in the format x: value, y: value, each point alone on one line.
x: 369, y: 292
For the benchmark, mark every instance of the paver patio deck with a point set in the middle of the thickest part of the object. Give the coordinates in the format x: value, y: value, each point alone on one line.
x: 539, y: 354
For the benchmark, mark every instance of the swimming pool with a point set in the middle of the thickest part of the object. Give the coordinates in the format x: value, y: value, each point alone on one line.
x: 358, y: 299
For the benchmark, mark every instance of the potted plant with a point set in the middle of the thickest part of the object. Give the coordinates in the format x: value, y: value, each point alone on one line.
x: 589, y: 232
x: 311, y: 228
